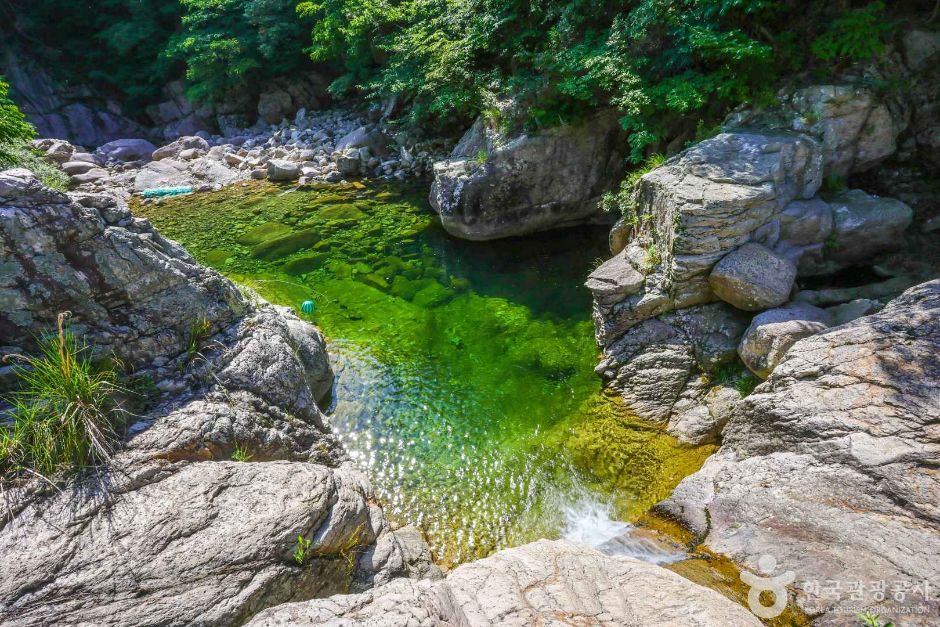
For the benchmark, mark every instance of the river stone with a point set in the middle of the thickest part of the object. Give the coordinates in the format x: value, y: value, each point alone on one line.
x: 59, y: 151
x: 164, y: 173
x: 91, y: 175
x: 527, y: 183
x: 77, y: 167
x: 125, y: 150
x: 830, y: 465
x: 652, y: 364
x: 283, y: 170
x: 375, y: 140
x: 753, y: 278
x: 804, y: 222
x: 348, y: 163
x: 177, y: 147
x: 543, y: 583
x: 699, y: 416
x: 615, y: 279
x: 773, y: 332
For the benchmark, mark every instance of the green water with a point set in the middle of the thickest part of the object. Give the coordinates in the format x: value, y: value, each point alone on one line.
x: 465, y: 382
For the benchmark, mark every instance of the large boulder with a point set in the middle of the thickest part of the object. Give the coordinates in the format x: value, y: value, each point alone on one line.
x: 772, y: 333
x: 163, y: 173
x: 495, y: 186
x: 654, y: 362
x: 855, y: 128
x: 863, y: 226
x: 375, y: 140
x: 543, y: 583
x: 275, y: 105
x: 752, y: 278
x: 283, y: 170
x: 124, y: 150
x: 698, y: 207
x: 829, y: 467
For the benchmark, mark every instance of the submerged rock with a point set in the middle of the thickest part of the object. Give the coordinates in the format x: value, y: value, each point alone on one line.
x: 544, y: 582
x: 828, y: 466
x: 494, y: 186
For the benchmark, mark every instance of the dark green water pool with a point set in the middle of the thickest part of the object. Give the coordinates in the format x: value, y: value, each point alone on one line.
x: 465, y: 382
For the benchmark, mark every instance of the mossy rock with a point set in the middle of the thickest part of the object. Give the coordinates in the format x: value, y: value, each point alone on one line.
x: 404, y: 288
x: 433, y: 295
x: 305, y: 263
x: 216, y: 257
x: 281, y: 247
x: 374, y: 280
x: 346, y: 212
x: 263, y: 233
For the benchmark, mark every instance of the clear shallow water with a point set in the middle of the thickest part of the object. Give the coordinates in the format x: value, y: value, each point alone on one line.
x: 465, y: 381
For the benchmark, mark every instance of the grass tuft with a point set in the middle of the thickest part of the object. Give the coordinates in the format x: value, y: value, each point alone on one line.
x: 65, y: 414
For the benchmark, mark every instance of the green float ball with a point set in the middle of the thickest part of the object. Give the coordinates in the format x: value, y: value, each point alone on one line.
x: 307, y: 307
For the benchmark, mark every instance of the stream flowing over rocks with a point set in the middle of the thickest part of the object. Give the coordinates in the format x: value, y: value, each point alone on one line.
x: 172, y: 530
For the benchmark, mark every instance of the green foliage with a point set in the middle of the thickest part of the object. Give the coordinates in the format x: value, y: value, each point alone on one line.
x: 241, y: 454
x: 856, y: 35
x: 13, y: 125
x: 15, y: 150
x: 302, y: 552
x: 198, y: 333
x: 65, y: 413
x: 231, y: 44
x: 624, y: 200
x: 20, y: 154
x: 870, y: 619
x: 736, y: 375
x: 833, y: 184
x: 116, y: 44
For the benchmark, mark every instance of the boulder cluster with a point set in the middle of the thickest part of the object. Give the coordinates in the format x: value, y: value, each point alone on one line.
x: 756, y: 220
x: 325, y: 146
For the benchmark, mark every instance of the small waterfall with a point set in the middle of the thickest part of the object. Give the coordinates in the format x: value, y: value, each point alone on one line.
x: 590, y: 521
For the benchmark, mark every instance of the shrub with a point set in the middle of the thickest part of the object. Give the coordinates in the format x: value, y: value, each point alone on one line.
x: 65, y: 414
x: 14, y: 129
x: 856, y: 35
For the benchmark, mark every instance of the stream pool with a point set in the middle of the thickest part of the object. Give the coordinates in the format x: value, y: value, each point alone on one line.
x: 465, y: 383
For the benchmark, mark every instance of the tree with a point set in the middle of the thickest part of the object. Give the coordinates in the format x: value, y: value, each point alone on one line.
x: 229, y: 44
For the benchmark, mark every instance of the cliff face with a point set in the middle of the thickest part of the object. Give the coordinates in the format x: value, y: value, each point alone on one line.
x: 171, y: 531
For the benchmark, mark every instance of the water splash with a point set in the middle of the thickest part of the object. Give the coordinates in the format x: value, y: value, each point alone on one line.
x: 590, y: 521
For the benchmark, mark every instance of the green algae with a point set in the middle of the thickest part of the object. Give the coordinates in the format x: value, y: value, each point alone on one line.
x: 465, y: 369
